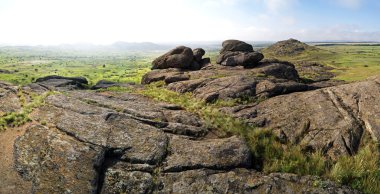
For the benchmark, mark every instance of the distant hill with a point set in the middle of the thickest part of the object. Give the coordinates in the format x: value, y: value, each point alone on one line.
x: 289, y: 47
x: 137, y: 46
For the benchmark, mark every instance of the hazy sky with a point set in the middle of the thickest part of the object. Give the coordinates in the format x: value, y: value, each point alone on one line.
x: 106, y: 21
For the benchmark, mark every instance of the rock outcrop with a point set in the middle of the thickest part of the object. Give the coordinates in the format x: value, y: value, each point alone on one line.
x: 267, y: 79
x: 86, y: 141
x: 55, y: 82
x: 105, y: 142
x: 235, y: 52
x: 333, y: 119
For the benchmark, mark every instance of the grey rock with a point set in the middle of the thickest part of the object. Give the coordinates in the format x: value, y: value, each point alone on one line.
x: 188, y: 154
x: 236, y: 45
x: 119, y: 179
x: 51, y: 160
x: 180, y: 57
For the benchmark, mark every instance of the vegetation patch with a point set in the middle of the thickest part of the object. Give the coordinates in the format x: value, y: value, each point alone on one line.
x: 16, y: 119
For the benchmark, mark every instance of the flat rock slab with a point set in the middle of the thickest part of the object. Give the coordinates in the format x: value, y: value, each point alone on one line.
x: 243, y: 181
x: 188, y: 154
x: 144, y: 143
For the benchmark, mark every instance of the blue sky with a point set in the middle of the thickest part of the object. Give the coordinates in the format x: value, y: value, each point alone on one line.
x: 107, y: 21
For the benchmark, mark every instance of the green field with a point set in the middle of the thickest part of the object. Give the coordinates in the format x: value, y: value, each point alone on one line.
x: 26, y: 65
x: 351, y: 62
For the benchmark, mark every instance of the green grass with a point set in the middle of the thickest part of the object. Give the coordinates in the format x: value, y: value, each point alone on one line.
x: 361, y: 171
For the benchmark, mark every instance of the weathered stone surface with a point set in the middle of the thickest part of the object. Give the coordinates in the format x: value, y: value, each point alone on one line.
x: 180, y: 57
x: 57, y: 163
x: 78, y: 106
x: 134, y: 105
x: 238, y: 86
x: 88, y: 128
x: 160, y: 75
x: 244, y: 181
x: 144, y: 143
x: 227, y: 88
x: 187, y: 130
x: 176, y: 78
x: 119, y: 179
x: 188, y: 154
x: 278, y: 69
x: 331, y: 119
x: 249, y: 59
x: 269, y: 78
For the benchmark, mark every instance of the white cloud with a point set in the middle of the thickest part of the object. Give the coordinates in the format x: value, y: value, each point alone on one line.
x: 70, y: 21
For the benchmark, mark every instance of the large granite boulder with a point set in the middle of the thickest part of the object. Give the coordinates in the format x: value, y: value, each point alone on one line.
x: 236, y: 45
x: 180, y: 57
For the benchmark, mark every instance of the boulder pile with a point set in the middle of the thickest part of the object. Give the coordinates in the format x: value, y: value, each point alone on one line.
x: 236, y: 52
